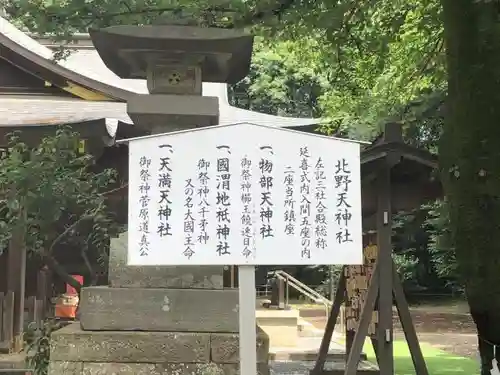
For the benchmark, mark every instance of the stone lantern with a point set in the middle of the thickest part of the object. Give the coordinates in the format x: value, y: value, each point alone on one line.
x: 162, y: 320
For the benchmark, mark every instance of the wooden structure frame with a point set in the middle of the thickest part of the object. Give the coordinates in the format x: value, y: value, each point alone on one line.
x: 377, y: 164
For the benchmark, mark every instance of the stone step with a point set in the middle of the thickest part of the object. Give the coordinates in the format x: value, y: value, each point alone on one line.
x: 307, y: 349
x: 306, y: 329
x: 280, y: 325
x: 4, y: 347
x: 331, y: 368
x: 274, y: 368
x: 12, y: 361
x: 72, y: 344
x: 308, y: 355
x: 138, y: 309
x: 93, y: 368
x: 120, y: 275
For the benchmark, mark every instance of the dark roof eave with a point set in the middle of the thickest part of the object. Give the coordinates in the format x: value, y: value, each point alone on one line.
x: 379, y: 151
x: 27, y: 60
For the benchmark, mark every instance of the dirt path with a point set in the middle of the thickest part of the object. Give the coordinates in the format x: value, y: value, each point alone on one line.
x: 451, y: 332
x: 460, y: 344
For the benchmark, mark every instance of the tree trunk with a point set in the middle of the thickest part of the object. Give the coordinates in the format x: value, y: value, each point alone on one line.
x: 470, y: 158
x: 54, y: 266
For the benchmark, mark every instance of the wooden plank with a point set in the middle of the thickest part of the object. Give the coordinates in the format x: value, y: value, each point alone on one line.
x: 330, y: 325
x: 374, y: 342
x: 8, y: 319
x: 29, y: 308
x: 384, y: 234
x: 2, y: 297
x: 42, y: 285
x: 364, y: 322
x: 349, y: 339
x: 408, y: 327
x: 16, y: 280
x: 39, y: 313
x: 4, y: 345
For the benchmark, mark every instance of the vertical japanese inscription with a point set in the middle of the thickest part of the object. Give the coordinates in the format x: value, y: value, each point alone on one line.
x: 320, y: 224
x: 246, y: 201
x: 266, y: 199
x: 305, y: 202
x: 343, y: 216
x: 223, y: 203
x: 144, y: 199
x: 289, y: 204
x: 164, y: 186
x: 188, y: 219
x: 203, y: 191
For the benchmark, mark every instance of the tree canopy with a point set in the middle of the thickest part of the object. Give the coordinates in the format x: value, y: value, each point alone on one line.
x: 431, y: 64
x: 370, y: 58
x: 53, y: 195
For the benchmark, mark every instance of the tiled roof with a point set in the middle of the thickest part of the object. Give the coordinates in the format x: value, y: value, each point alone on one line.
x: 87, y: 63
x: 29, y: 111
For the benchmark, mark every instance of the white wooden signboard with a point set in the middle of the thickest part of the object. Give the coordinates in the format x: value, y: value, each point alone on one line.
x: 244, y: 194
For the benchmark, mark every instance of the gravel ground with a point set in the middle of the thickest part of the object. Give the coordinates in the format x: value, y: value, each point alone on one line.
x: 451, y: 332
x: 460, y: 344
x: 298, y: 368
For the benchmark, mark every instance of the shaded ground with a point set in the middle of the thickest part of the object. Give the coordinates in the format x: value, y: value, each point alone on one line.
x: 448, y: 329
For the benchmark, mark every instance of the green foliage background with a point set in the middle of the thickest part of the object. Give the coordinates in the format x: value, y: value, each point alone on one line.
x: 355, y: 64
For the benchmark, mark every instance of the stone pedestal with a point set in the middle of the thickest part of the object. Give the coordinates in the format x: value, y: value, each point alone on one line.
x: 155, y: 321
x: 122, y: 276
x: 76, y: 351
x: 141, y: 325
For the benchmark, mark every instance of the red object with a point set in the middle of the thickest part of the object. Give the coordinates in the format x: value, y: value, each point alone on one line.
x: 68, y: 312
x: 69, y: 289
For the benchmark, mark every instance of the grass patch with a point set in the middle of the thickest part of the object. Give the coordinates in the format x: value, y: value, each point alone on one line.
x: 438, y: 362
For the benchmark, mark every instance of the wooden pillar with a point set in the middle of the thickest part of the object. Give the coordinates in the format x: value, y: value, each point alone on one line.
x: 384, y: 233
x: 16, y: 280
x: 44, y: 292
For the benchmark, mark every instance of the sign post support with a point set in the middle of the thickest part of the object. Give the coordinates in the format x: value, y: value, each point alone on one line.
x: 246, y: 310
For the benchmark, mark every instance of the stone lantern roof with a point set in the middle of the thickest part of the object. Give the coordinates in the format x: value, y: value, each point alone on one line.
x: 223, y: 55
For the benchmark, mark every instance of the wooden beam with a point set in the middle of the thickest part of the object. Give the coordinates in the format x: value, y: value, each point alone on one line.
x: 330, y: 325
x: 373, y: 338
x: 384, y: 243
x: 364, y: 322
x: 407, y: 324
x: 349, y: 340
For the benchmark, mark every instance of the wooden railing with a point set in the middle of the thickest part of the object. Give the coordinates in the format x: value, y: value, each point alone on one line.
x: 35, y: 312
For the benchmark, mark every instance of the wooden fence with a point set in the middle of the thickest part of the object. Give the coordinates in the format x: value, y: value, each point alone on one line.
x: 35, y: 311
x: 6, y: 321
